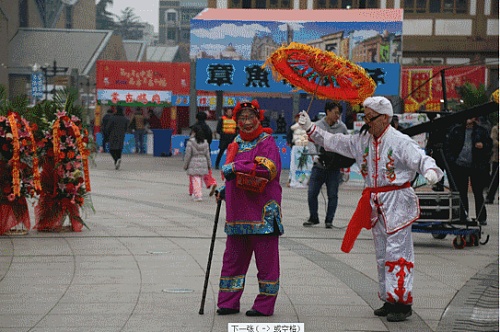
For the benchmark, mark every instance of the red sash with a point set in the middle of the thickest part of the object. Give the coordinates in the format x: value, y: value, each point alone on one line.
x: 361, y: 217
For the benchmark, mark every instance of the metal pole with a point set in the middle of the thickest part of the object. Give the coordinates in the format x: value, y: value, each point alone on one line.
x: 443, y: 85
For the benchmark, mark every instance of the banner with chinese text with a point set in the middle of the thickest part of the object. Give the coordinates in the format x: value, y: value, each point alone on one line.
x: 128, y: 75
x: 246, y: 76
x: 134, y: 97
x: 423, y: 89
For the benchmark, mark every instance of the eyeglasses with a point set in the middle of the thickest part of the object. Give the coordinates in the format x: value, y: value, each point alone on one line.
x: 247, y: 118
x: 367, y: 120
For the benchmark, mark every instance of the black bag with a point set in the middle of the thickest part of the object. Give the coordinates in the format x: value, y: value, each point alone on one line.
x: 333, y: 160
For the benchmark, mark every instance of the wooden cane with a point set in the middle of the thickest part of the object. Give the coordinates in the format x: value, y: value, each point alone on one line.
x: 210, y: 254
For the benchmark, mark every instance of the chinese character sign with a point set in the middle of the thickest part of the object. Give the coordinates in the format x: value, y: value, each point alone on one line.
x: 37, y: 85
x: 135, y: 97
x: 249, y: 76
x: 422, y: 86
x: 128, y: 75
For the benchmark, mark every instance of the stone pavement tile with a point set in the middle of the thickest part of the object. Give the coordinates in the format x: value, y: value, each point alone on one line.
x: 86, y: 246
x: 433, y: 324
x: 333, y: 290
x: 34, y: 307
x: 320, y: 324
x: 85, y: 321
x: 343, y: 299
x: 68, y: 329
x: 36, y: 288
x: 18, y: 321
x: 334, y: 310
x: 100, y: 277
x: 43, y: 246
x: 105, y: 261
x: 427, y: 314
x: 92, y: 308
x: 91, y: 294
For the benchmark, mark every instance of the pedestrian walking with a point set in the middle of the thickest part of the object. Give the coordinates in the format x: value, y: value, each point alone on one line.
x: 197, y: 161
x: 226, y: 128
x: 253, y: 213
x: 326, y: 169
x: 208, y: 179
x: 467, y: 148
x: 388, y: 160
x: 116, y: 128
x: 105, y: 135
x: 492, y: 190
x: 138, y: 127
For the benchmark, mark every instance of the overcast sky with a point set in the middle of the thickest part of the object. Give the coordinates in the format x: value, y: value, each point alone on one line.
x: 147, y: 10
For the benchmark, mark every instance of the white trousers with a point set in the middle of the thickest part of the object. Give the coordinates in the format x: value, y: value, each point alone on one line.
x: 395, y: 261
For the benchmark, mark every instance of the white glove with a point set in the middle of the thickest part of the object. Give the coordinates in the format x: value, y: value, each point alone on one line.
x: 431, y: 177
x: 305, y: 121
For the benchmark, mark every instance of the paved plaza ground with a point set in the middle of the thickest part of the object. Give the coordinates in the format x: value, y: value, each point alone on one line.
x: 142, y: 264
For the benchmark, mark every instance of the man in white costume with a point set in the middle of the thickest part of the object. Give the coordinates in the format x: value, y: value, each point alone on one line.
x: 388, y: 161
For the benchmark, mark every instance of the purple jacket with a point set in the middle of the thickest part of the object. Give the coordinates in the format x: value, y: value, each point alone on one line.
x: 249, y: 212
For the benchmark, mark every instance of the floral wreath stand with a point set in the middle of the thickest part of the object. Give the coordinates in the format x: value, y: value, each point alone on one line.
x: 19, y: 175
x: 65, y: 178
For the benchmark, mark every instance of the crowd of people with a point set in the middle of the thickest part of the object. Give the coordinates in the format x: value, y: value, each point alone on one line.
x: 389, y: 162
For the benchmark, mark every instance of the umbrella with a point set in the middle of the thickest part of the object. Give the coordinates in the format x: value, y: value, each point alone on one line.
x: 322, y: 73
x: 448, y: 120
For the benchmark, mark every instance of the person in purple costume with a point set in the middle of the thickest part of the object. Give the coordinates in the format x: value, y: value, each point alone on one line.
x: 253, y: 219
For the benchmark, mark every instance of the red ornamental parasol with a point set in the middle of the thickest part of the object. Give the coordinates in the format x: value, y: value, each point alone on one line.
x: 322, y: 73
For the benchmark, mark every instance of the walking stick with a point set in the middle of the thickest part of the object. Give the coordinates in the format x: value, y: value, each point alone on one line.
x: 210, y: 254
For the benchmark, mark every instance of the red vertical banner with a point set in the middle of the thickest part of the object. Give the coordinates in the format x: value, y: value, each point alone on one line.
x: 422, y: 86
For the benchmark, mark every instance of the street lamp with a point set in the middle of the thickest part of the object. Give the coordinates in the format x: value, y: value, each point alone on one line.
x: 51, y: 72
x: 87, y: 97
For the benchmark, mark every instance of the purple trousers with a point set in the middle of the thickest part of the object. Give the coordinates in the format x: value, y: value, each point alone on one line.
x: 237, y: 256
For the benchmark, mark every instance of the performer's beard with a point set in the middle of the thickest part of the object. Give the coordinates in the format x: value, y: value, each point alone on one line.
x: 364, y: 129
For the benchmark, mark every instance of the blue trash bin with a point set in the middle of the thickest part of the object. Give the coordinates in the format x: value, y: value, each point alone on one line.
x: 162, y: 142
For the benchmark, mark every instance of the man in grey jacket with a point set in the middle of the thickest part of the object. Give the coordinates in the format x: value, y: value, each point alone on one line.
x: 325, y: 169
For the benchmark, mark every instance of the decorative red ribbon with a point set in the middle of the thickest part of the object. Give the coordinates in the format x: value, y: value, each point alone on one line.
x: 361, y: 217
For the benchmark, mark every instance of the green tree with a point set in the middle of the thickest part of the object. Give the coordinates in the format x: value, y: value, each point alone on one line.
x: 473, y: 96
x: 104, y: 19
x: 129, y: 26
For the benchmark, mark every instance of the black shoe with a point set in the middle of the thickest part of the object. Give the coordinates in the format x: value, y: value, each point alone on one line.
x: 398, y: 316
x: 328, y: 225
x: 483, y: 222
x: 311, y: 222
x: 254, y: 313
x: 384, y: 310
x: 227, y: 311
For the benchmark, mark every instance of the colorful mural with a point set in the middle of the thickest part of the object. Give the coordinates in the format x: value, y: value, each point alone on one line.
x: 230, y: 52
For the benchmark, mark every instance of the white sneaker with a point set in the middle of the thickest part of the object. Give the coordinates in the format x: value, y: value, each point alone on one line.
x: 117, y: 165
x: 197, y: 199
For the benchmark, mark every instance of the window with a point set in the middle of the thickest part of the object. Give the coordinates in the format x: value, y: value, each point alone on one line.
x: 269, y: 4
x: 171, y: 17
x: 171, y: 34
x: 69, y: 17
x: 494, y: 7
x: 343, y: 4
x: 436, y: 6
x: 23, y: 13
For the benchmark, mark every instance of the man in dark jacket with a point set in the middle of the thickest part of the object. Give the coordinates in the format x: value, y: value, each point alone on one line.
x: 468, y: 149
x: 116, y: 127
x: 105, y: 135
